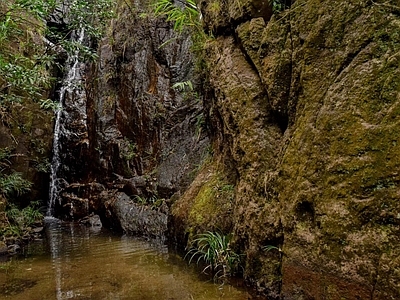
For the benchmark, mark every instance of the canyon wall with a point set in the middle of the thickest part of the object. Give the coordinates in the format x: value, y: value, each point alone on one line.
x: 289, y: 139
x: 304, y: 111
x: 143, y: 139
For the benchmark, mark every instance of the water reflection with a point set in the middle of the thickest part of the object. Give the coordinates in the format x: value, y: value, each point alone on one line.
x: 76, y: 262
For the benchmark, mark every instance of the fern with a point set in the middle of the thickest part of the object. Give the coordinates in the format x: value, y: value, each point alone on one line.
x: 20, y: 219
x: 183, y: 86
x: 49, y: 104
x: 14, y: 184
x: 186, y: 16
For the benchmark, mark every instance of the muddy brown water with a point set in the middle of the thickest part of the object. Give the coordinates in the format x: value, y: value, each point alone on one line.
x: 76, y: 262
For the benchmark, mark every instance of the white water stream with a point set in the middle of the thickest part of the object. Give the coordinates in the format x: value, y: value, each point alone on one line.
x: 71, y: 85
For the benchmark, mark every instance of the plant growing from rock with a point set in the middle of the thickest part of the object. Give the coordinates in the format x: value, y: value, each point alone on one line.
x: 20, y: 220
x: 12, y: 183
x: 214, y: 249
x: 184, y: 15
x: 153, y: 201
x: 25, y: 217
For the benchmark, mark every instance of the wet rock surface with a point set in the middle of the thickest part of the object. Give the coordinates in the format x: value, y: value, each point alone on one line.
x: 131, y: 134
x: 137, y: 219
x: 302, y: 110
x: 91, y: 220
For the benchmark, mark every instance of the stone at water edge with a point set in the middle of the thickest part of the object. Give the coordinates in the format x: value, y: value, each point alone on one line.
x: 3, y: 248
x: 91, y: 220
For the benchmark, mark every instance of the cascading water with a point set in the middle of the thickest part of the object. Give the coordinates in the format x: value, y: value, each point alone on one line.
x: 71, y: 89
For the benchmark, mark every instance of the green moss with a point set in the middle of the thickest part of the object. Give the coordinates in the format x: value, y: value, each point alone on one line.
x: 212, y: 206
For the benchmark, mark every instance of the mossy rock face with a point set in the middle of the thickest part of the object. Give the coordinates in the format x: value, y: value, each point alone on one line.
x: 307, y: 105
x: 207, y: 205
x: 339, y: 174
x: 255, y: 139
x: 221, y: 16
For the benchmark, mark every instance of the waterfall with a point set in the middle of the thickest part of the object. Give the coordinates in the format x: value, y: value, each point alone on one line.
x: 70, y: 88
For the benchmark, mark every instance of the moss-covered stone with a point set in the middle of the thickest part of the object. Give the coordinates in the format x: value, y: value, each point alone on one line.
x: 207, y: 205
x: 306, y: 105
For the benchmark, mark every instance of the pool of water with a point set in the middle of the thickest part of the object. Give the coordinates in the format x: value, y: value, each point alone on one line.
x: 76, y: 262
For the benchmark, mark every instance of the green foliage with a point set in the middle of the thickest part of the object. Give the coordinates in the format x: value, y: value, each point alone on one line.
x: 5, y: 154
x: 270, y: 247
x: 91, y: 15
x: 128, y: 149
x: 152, y: 201
x: 14, y: 184
x: 277, y: 5
x: 214, y: 249
x: 11, y: 231
x: 25, y: 59
x: 21, y: 219
x: 11, y: 184
x: 185, y: 16
x: 183, y: 86
x: 43, y: 165
x: 274, y: 248
x: 49, y: 104
x: 140, y: 200
x: 200, y: 123
x: 187, y: 90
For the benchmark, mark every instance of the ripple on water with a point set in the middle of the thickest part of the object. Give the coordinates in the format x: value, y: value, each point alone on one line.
x: 15, y: 286
x: 79, y: 263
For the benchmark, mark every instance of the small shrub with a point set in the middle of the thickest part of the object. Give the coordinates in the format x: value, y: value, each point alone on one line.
x: 154, y: 202
x: 128, y: 150
x: 11, y: 231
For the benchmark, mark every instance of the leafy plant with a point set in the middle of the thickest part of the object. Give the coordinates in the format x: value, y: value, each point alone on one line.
x: 278, y: 5
x: 5, y: 154
x: 14, y: 184
x: 21, y: 219
x: 183, y: 86
x: 11, y: 231
x: 214, y: 249
x: 49, y: 104
x: 43, y: 165
x: 270, y: 248
x: 186, y: 15
x: 140, y: 200
x: 24, y: 217
x: 25, y: 59
x: 128, y: 149
x: 153, y: 201
x: 200, y: 123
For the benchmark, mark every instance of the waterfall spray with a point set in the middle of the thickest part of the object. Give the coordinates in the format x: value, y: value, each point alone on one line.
x: 70, y: 85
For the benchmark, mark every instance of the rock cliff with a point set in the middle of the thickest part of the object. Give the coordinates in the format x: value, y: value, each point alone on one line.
x: 143, y: 139
x: 301, y: 109
x: 305, y: 110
